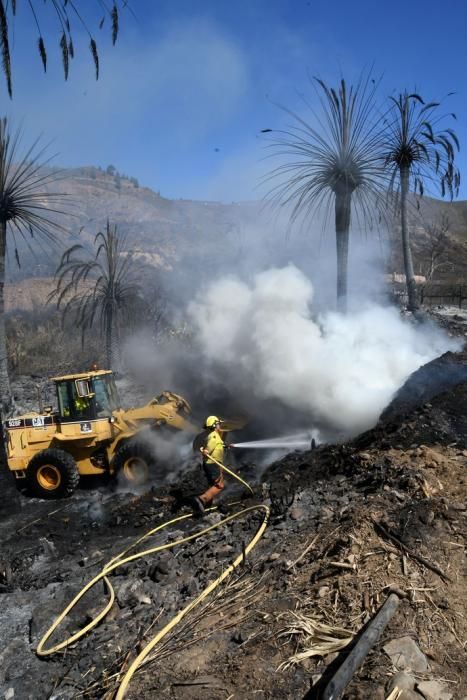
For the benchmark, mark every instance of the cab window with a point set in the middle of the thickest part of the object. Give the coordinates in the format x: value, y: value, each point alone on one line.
x: 71, y: 406
x: 105, y: 396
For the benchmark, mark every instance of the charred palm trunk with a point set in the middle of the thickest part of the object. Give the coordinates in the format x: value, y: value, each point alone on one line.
x: 112, y: 339
x: 412, y: 301
x: 342, y: 211
x: 108, y: 338
x: 9, y: 500
x: 6, y: 400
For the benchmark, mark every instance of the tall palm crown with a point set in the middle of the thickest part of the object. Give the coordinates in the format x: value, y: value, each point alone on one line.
x: 417, y: 154
x: 25, y: 203
x: 99, y: 290
x: 27, y: 210
x: 413, y: 141
x: 337, y: 162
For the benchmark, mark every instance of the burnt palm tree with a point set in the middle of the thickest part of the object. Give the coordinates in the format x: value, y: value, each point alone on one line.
x: 26, y: 211
x: 68, y: 14
x: 98, y: 290
x: 417, y: 154
x: 334, y: 162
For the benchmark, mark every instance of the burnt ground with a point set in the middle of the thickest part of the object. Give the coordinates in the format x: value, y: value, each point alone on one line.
x: 347, y: 521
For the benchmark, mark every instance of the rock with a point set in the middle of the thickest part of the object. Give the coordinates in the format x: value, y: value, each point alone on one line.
x: 274, y: 556
x: 434, y: 690
x: 9, y: 694
x: 9, y: 657
x: 238, y: 637
x: 9, y: 667
x: 326, y: 513
x: 402, y: 680
x: 297, y: 513
x: 323, y: 591
x: 48, y: 547
x: 45, y: 612
x: 224, y: 550
x: 64, y: 692
x: 190, y: 588
x: 163, y: 568
x: 131, y: 593
x: 427, y: 517
x: 405, y: 655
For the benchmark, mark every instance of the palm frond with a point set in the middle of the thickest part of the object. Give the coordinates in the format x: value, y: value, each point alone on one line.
x: 68, y: 14
x: 65, y: 54
x: 26, y: 205
x: 313, y: 637
x: 42, y: 52
x: 6, y: 62
x: 115, y: 22
x: 415, y: 142
x: 96, y: 286
x: 95, y: 55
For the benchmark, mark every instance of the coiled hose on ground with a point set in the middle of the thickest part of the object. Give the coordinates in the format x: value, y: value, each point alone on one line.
x: 121, y: 559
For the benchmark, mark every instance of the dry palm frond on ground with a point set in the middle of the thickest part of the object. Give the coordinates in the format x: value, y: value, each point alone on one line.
x: 313, y: 638
x: 394, y: 694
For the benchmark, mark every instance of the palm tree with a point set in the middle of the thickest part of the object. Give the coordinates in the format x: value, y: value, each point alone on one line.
x: 26, y: 209
x: 68, y: 15
x: 335, y: 162
x: 99, y: 289
x: 417, y: 153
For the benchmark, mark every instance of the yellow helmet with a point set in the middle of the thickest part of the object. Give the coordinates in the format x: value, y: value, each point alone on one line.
x: 211, y: 421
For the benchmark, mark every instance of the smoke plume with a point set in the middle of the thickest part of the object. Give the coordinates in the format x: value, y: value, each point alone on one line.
x: 265, y: 339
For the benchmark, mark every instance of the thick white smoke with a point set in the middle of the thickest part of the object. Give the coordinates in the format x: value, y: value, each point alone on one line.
x: 340, y: 369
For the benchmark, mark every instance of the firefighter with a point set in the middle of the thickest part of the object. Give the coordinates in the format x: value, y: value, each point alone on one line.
x: 213, y: 448
x: 81, y: 404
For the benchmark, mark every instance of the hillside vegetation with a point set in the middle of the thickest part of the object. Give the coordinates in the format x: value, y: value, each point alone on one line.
x: 164, y: 233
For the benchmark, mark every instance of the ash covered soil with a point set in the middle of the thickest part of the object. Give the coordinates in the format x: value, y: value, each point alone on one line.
x: 348, y: 522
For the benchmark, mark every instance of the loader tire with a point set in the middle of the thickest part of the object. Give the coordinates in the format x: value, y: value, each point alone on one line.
x: 132, y: 464
x: 52, y: 473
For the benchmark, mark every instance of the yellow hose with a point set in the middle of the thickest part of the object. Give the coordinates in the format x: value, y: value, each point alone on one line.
x: 119, y: 561
x: 229, y: 471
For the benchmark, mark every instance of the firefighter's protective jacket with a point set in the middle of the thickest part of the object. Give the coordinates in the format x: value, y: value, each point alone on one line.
x: 215, y: 447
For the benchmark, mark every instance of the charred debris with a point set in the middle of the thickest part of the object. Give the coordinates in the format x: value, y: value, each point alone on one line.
x: 370, y: 529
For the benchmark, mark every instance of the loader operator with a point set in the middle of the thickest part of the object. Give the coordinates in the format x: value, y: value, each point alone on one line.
x: 213, y: 448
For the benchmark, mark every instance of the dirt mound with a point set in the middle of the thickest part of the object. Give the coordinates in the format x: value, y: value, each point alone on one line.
x: 442, y: 420
x: 428, y: 381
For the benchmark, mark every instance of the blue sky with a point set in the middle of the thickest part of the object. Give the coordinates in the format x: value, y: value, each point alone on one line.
x: 186, y: 90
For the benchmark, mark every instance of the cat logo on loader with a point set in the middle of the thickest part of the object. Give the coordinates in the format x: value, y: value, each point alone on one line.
x: 90, y: 433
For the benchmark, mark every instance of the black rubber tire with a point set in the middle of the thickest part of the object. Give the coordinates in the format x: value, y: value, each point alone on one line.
x: 133, y: 451
x: 60, y: 463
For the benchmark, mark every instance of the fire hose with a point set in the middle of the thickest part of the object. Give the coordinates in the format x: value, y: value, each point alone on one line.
x: 120, y: 559
x: 229, y: 471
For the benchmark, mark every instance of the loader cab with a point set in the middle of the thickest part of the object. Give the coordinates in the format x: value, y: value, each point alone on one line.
x: 86, y: 397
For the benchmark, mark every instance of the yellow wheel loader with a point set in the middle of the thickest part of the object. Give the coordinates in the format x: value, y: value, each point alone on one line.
x: 90, y: 433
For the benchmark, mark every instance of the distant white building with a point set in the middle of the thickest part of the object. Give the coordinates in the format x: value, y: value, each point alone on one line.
x: 396, y: 277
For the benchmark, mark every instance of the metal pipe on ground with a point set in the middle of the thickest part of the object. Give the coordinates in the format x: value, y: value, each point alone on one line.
x: 344, y: 674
